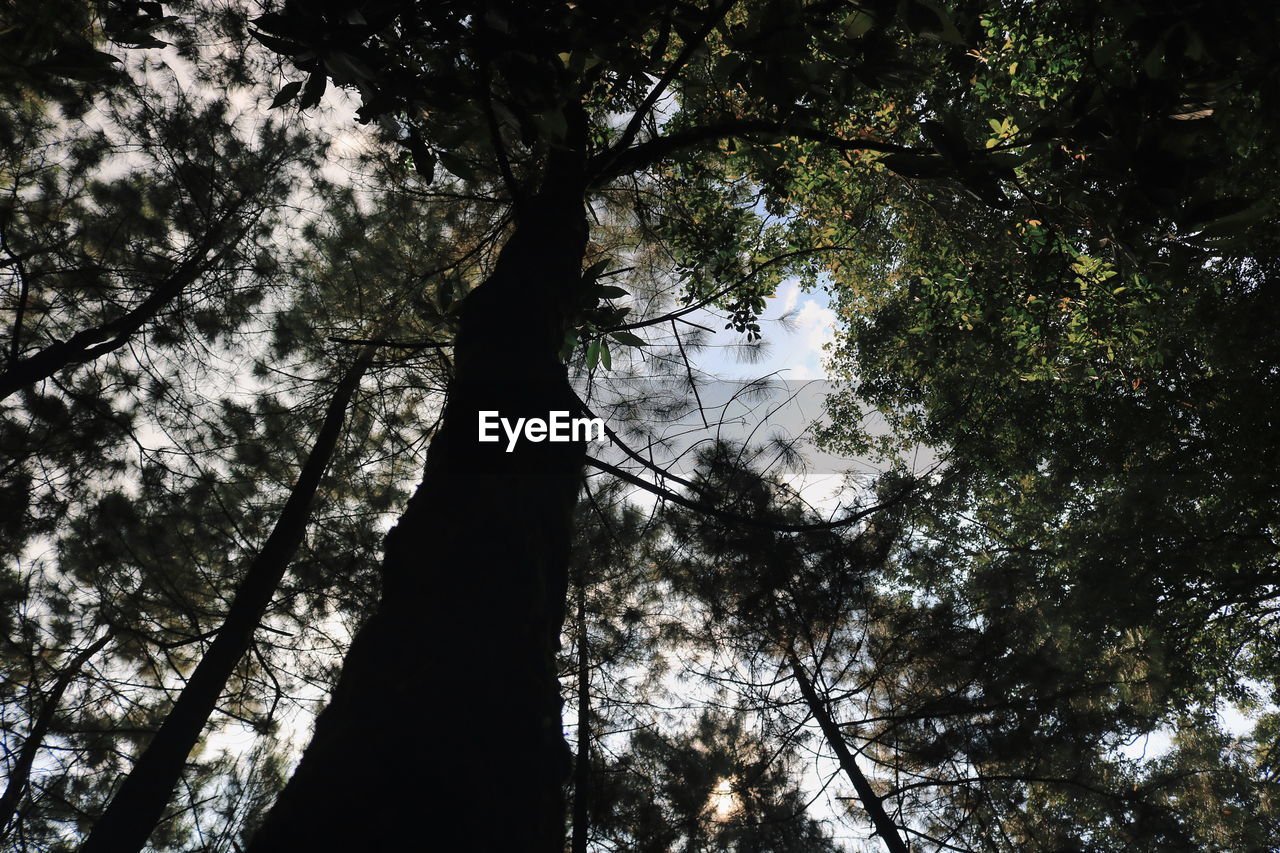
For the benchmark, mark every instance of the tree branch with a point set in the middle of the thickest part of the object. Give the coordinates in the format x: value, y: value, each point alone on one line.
x: 20, y: 773
x: 686, y: 54
x: 608, y: 166
x: 744, y: 520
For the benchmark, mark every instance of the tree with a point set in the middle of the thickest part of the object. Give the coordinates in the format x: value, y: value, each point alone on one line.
x: 613, y: 634
x: 138, y: 804
x: 958, y: 724
x: 530, y: 102
x: 720, y: 132
x: 152, y: 569
x: 773, y: 597
x: 148, y: 226
x: 713, y: 787
x: 519, y: 96
x: 20, y: 772
x: 1069, y: 363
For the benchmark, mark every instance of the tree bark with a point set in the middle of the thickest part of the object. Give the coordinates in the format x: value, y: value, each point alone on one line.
x: 444, y: 730
x: 139, y: 803
x: 20, y: 773
x: 884, y: 825
x: 582, y: 761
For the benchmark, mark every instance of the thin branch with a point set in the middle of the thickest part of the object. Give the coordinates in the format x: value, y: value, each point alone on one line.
x: 20, y: 773
x: 646, y: 107
x: 689, y: 372
x: 425, y: 343
x: 744, y: 520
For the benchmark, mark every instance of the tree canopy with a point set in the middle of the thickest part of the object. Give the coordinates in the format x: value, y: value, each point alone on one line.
x: 263, y: 269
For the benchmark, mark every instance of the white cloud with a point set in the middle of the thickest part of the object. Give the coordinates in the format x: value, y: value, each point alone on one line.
x: 789, y: 293
x: 817, y: 324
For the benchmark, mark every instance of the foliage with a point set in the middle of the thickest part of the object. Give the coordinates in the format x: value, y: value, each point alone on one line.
x: 1047, y: 229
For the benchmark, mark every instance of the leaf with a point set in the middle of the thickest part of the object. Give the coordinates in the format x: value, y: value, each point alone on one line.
x: 593, y: 354
x: 609, y: 291
x: 280, y: 24
x: 594, y: 271
x: 947, y: 138
x: 570, y: 344
x: 928, y: 18
x: 605, y: 358
x: 425, y: 166
x: 314, y: 90
x: 728, y: 68
x: 79, y: 62
x: 857, y: 24
x: 1236, y: 223
x: 552, y: 125
x: 457, y: 166
x: 287, y: 94
x: 282, y: 46
x: 629, y: 339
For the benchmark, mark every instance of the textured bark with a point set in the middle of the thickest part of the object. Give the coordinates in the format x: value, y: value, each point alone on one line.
x: 444, y: 730
x: 884, y: 825
x: 20, y: 772
x: 139, y: 803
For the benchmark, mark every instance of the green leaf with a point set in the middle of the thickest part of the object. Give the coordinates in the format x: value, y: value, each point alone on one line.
x: 629, y: 339
x: 593, y: 354
x: 570, y: 344
x: 858, y: 24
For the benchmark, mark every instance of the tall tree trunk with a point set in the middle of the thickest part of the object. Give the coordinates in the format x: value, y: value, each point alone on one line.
x: 20, y: 772
x: 582, y: 761
x: 139, y: 803
x: 444, y: 730
x: 884, y: 825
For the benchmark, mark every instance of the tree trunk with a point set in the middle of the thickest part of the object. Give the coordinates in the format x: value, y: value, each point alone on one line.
x: 139, y: 803
x: 20, y: 773
x: 884, y: 825
x: 582, y: 761
x: 444, y: 730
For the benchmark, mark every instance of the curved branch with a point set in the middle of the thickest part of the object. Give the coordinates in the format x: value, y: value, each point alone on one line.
x: 608, y: 166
